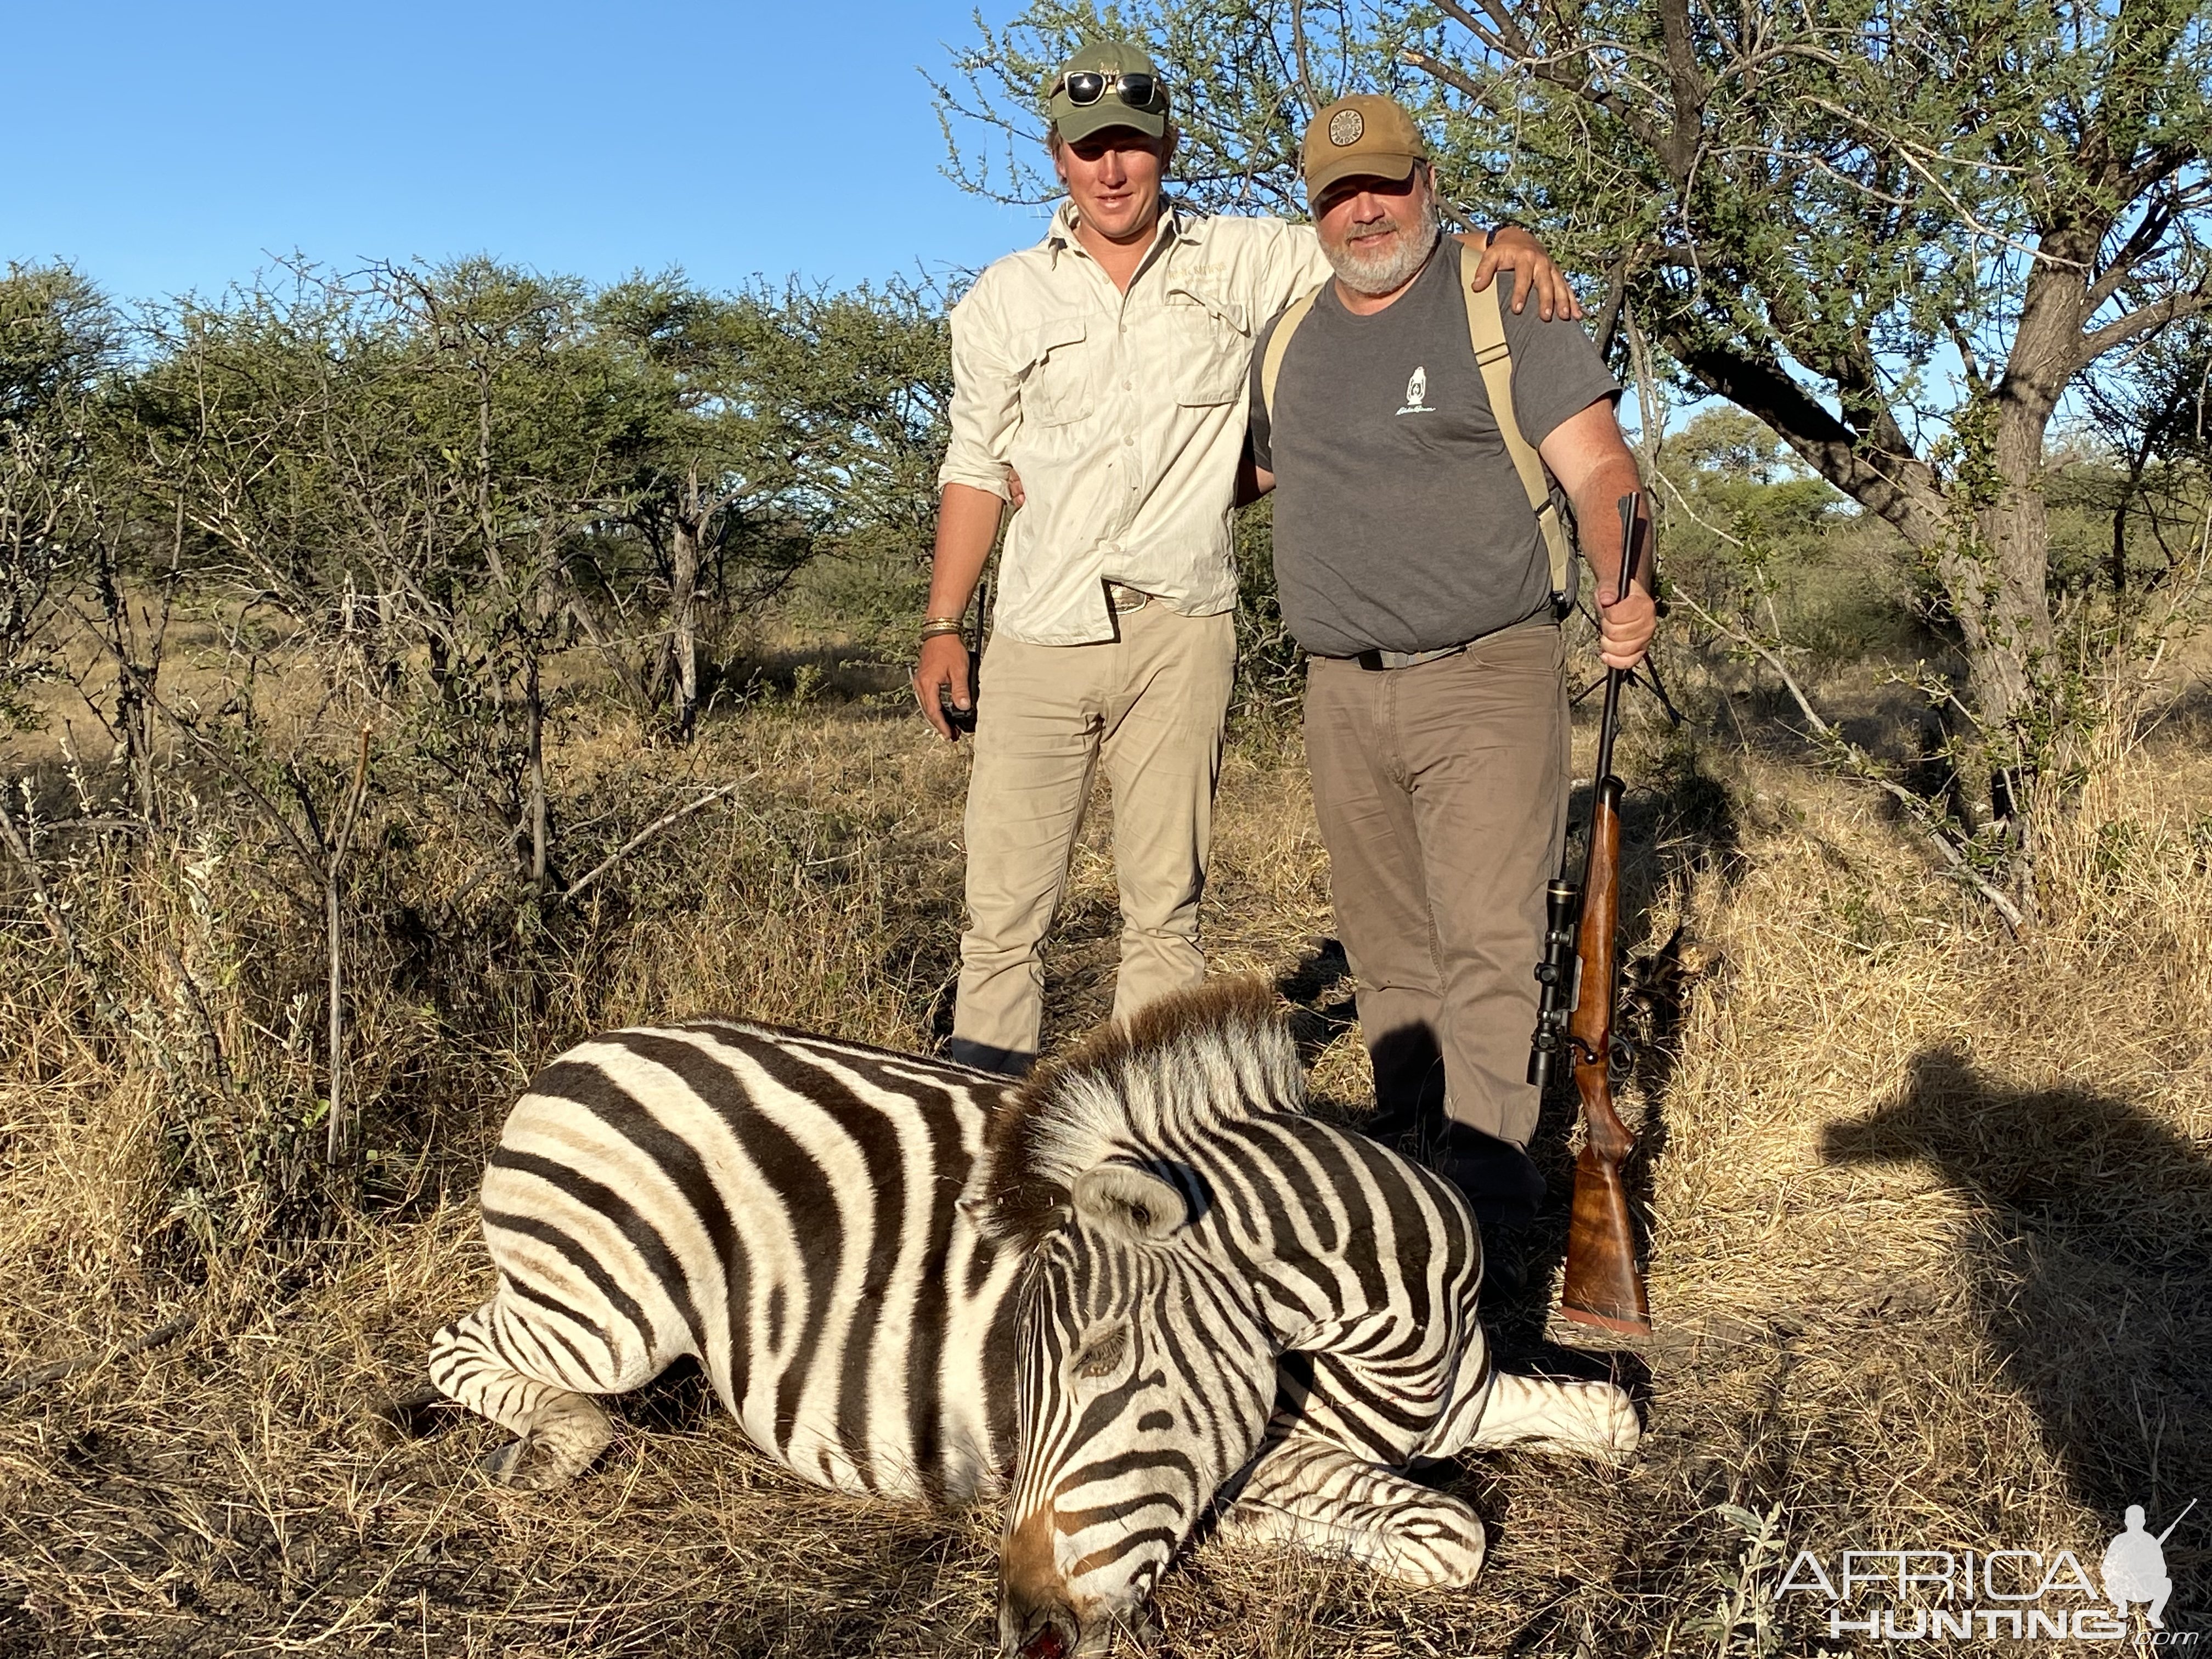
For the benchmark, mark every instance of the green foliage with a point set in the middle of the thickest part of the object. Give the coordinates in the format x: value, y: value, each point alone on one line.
x: 1743, y: 523
x: 58, y: 338
x: 455, y: 473
x: 1813, y: 210
x: 1744, y: 1608
x: 787, y: 424
x: 1270, y: 666
x: 1240, y: 99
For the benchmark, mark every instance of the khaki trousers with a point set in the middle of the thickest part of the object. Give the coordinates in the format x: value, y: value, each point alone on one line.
x: 1441, y: 791
x: 1151, y: 705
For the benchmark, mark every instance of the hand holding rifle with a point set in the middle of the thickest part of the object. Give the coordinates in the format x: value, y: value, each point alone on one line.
x: 1601, y: 1285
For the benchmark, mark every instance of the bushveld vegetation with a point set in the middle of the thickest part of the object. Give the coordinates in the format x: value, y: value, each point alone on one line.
x: 1928, y: 1196
x: 406, y: 672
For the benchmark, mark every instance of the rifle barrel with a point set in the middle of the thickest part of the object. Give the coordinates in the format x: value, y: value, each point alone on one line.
x: 2177, y: 1521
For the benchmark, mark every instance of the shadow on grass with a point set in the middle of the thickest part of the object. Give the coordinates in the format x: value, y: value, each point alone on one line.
x: 2090, y: 1269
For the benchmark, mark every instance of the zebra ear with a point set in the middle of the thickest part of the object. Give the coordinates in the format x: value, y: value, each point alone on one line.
x: 1123, y: 1198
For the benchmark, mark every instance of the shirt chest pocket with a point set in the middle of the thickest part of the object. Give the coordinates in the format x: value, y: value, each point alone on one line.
x: 1055, y: 383
x: 1211, y: 341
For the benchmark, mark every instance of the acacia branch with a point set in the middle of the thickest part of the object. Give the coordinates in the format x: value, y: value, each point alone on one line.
x: 2142, y: 242
x: 1504, y: 36
x: 1453, y: 76
x: 1298, y: 47
x: 38, y: 1376
x: 347, y: 819
x: 1685, y: 84
x: 310, y: 860
x: 51, y: 913
x: 2099, y: 341
x: 1904, y: 497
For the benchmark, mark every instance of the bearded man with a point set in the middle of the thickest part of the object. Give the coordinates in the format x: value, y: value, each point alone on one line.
x: 1412, y: 568
x: 1106, y: 366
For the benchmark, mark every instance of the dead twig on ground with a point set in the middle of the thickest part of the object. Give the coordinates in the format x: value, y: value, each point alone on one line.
x: 663, y: 822
x: 39, y: 1376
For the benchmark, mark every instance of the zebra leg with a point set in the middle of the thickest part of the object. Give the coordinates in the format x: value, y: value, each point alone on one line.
x: 469, y: 1363
x: 1575, y: 1419
x: 1314, y: 1495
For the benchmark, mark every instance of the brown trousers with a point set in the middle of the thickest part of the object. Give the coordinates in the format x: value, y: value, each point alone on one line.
x: 1441, y: 791
x: 1151, y: 707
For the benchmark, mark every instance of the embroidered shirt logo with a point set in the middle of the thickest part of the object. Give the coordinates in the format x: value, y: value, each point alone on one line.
x: 1416, y: 389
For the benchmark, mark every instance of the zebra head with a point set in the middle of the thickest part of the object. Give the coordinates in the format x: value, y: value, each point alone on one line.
x: 1147, y: 1376
x: 1146, y: 1367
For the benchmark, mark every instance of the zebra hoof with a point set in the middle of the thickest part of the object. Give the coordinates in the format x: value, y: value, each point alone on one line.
x: 503, y: 1463
x: 1143, y: 1630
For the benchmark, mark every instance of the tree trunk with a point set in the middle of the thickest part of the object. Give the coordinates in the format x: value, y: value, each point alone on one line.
x: 1997, y: 568
x: 540, y: 826
x: 683, y: 622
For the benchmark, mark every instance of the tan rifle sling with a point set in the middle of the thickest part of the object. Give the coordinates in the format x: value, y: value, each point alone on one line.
x: 1486, y: 332
x: 1271, y: 365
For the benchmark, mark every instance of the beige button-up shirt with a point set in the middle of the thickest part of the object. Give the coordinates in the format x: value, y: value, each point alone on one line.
x: 1124, y: 414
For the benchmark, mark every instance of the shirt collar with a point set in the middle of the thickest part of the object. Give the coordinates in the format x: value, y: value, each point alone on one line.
x: 1177, y: 224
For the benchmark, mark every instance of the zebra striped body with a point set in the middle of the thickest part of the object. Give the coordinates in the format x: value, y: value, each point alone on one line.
x: 780, y: 1206
x: 1141, y: 1282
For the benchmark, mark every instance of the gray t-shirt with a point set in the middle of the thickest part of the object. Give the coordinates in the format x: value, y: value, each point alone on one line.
x: 1400, y: 522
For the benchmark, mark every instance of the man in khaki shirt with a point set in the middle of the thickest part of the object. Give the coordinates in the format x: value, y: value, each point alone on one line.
x: 1105, y: 367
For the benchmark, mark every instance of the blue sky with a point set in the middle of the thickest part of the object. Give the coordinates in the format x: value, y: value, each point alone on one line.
x: 178, y: 146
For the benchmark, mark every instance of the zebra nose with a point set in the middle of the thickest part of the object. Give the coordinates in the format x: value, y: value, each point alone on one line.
x: 1049, y: 1632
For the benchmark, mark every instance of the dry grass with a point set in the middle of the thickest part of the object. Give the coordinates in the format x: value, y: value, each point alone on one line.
x: 1931, y: 1216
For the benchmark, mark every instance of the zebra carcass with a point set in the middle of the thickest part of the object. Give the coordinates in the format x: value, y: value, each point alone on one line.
x: 1140, y: 1286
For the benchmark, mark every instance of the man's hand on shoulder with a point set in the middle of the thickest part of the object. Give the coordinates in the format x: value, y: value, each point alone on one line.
x: 1535, y: 271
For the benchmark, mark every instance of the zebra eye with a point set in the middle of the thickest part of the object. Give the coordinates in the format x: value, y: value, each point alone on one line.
x: 1103, y: 1356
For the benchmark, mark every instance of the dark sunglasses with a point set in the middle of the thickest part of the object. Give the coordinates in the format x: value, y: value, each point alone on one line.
x: 1086, y: 87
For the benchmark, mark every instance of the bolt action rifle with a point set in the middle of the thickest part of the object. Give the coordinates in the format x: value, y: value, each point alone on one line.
x: 1601, y: 1284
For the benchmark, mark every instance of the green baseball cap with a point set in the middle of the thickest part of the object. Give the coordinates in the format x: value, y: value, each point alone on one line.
x: 1109, y: 61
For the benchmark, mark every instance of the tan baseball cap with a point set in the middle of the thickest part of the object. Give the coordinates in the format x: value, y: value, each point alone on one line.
x: 1365, y: 134
x: 1108, y: 60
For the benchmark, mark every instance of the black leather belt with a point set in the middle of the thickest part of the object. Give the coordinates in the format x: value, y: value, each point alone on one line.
x: 1379, y: 659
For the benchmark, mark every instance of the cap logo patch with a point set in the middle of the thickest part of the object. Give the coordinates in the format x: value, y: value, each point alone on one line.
x: 1345, y: 127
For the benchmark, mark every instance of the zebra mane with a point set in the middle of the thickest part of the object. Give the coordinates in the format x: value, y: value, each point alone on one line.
x: 1219, y: 1054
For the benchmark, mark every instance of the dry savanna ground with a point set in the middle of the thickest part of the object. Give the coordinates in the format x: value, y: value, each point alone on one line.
x: 1930, y: 1208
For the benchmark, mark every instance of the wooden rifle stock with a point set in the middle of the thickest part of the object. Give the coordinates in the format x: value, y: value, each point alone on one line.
x: 1601, y: 1284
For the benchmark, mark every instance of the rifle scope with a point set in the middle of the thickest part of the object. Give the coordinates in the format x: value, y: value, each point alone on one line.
x: 1556, y: 973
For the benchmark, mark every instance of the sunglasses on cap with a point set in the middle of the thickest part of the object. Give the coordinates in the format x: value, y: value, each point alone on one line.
x: 1084, y: 87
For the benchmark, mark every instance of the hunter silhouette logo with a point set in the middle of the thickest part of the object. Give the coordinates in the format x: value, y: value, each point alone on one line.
x: 2135, y: 1567
x: 2022, y: 1595
x: 1416, y: 389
